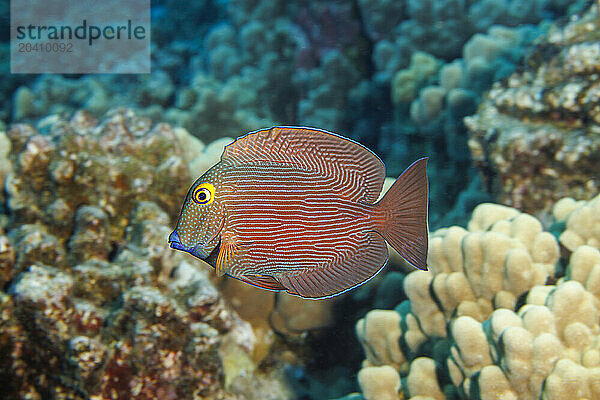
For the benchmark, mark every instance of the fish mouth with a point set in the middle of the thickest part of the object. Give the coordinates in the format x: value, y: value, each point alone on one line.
x: 195, y: 250
x: 198, y: 250
x: 175, y: 241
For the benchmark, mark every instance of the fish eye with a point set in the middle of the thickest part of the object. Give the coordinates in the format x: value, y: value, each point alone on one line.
x: 204, y: 193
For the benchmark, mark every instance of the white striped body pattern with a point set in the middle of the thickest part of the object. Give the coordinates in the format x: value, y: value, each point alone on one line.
x: 295, y: 209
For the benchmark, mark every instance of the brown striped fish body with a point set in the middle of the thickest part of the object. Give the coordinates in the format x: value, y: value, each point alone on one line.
x: 296, y: 209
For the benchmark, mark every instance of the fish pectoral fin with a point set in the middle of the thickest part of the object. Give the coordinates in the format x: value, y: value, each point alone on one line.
x: 262, y: 281
x: 227, y: 251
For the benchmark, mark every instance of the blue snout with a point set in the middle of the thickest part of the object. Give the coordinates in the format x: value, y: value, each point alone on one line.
x: 195, y: 250
x: 175, y: 242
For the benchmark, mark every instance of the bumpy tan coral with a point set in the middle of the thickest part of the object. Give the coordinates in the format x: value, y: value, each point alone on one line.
x: 420, y: 381
x: 379, y: 333
x: 213, y: 109
x: 502, y: 255
x: 473, y: 272
x: 460, y: 329
x: 199, y: 156
x: 379, y: 383
x: 584, y: 267
x: 536, y: 136
x: 583, y: 222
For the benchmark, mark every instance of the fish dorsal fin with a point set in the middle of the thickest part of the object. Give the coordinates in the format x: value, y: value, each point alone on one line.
x: 309, y: 149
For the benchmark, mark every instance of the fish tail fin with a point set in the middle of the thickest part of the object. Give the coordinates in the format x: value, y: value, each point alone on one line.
x: 404, y: 207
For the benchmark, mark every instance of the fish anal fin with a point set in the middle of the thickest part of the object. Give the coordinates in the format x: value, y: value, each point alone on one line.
x: 367, y: 259
x: 309, y: 149
x: 262, y: 281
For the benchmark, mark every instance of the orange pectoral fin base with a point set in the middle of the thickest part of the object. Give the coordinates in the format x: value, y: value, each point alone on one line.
x: 226, y: 253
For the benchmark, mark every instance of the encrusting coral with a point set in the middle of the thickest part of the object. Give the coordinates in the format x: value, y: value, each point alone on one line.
x: 7, y: 259
x: 93, y: 303
x: 115, y: 326
x: 535, y: 138
x: 111, y: 165
x: 490, y: 320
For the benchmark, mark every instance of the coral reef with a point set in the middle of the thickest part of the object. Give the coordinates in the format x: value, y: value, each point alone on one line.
x: 7, y: 260
x: 81, y: 228
x: 93, y: 303
x: 210, y: 109
x: 199, y: 156
x: 489, y: 320
x: 399, y: 76
x: 241, y: 66
x: 379, y: 383
x: 100, y: 329
x: 327, y: 89
x: 440, y: 28
x: 112, y: 165
x: 5, y: 165
x: 430, y: 100
x: 53, y: 94
x: 535, y: 138
x: 582, y: 220
x: 407, y: 82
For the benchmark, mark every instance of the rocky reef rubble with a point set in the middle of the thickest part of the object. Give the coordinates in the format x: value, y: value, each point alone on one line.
x: 93, y: 303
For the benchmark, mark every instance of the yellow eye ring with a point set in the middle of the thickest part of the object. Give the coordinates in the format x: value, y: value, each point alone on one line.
x: 204, y: 194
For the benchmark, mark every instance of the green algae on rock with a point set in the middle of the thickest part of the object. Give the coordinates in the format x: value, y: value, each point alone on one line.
x: 536, y: 136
